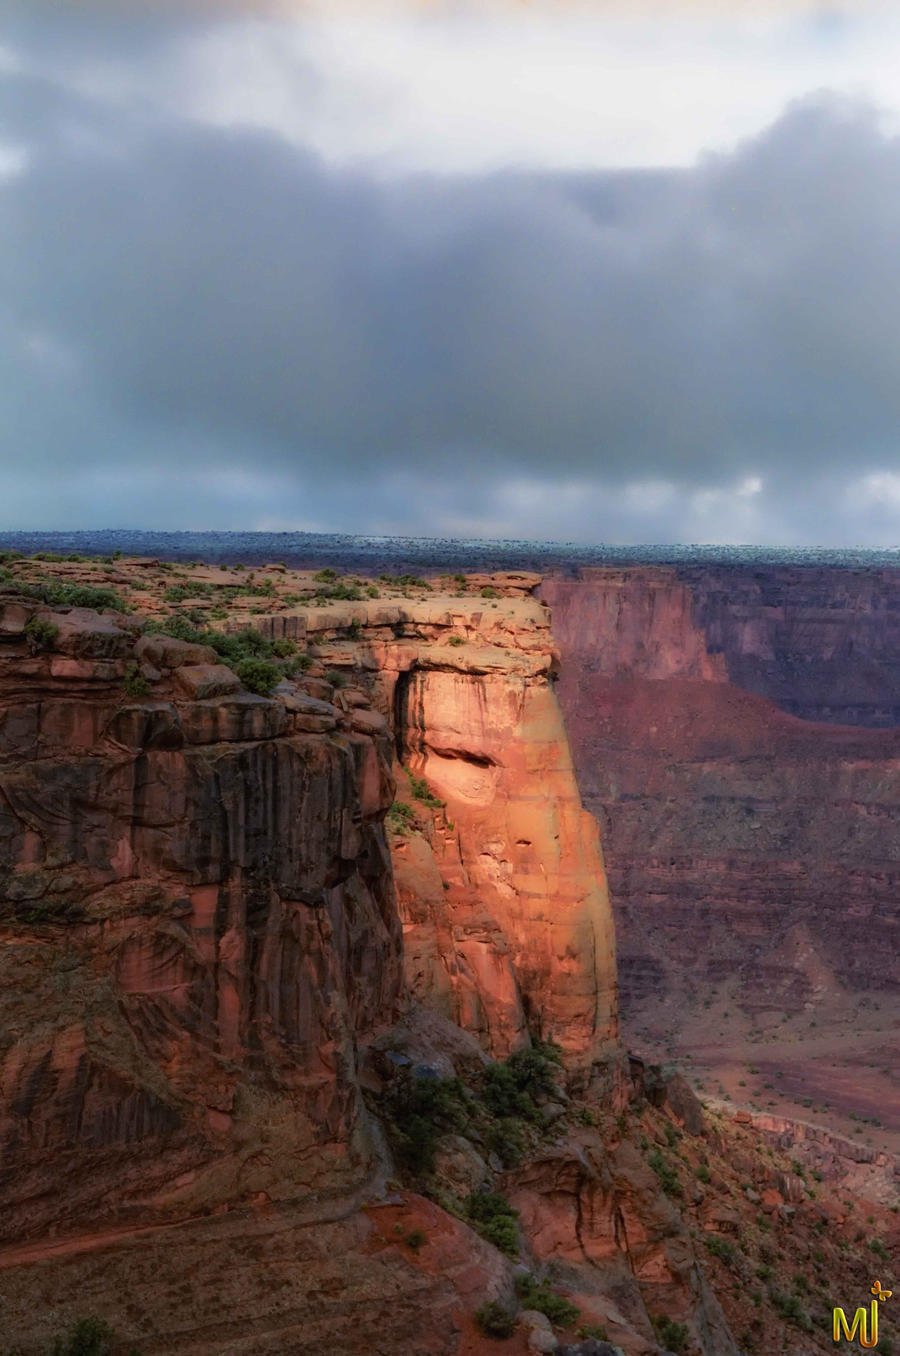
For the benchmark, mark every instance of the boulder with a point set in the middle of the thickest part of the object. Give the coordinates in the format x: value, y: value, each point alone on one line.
x: 207, y: 680
x: 367, y: 722
x: 165, y: 652
x: 89, y: 635
x: 13, y: 617
x: 231, y: 718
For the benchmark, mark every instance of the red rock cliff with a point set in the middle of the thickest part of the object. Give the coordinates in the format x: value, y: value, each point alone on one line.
x: 507, y: 922
x: 231, y: 935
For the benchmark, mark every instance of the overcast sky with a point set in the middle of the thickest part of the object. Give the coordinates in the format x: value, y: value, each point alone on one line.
x: 552, y: 271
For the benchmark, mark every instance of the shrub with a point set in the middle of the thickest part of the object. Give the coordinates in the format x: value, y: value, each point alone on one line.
x: 791, y: 1310
x: 191, y: 588
x: 879, y: 1249
x: 506, y: 1138
x: 595, y: 1330
x: 416, y: 1239
x: 672, y: 1335
x: 495, y: 1319
x: 423, y: 792
x: 404, y: 581
x: 536, y: 1294
x: 702, y: 1173
x: 88, y: 1337
x: 325, y: 576
x: 489, y: 592
x: 400, y: 818
x: 136, y: 685
x: 418, y: 1111
x: 284, y: 648
x: 57, y: 594
x: 510, y: 1087
x: 335, y: 679
x: 40, y: 634
x: 495, y: 1219
x: 666, y: 1173
x: 719, y: 1247
x: 258, y: 675
x: 456, y: 640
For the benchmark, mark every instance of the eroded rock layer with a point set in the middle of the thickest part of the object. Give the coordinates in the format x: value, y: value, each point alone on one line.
x: 750, y: 853
x: 199, y: 927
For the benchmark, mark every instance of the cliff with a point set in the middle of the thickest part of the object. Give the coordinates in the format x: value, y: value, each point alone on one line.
x: 507, y: 924
x: 821, y: 642
x: 276, y: 1039
x: 199, y: 928
x: 752, y: 855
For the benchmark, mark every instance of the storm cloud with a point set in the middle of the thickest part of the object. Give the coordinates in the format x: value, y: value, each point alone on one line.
x: 206, y: 321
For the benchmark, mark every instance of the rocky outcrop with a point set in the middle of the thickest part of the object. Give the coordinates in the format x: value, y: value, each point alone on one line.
x: 199, y: 929
x: 507, y: 923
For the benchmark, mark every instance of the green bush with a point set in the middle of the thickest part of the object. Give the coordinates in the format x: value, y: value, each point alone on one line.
x: 417, y: 1112
x: 416, y: 1239
x: 58, y: 594
x: 136, y: 685
x: 284, y: 648
x: 666, y: 1173
x: 719, y: 1247
x: 423, y: 792
x: 495, y: 1319
x: 40, y: 634
x: 325, y: 576
x: 88, y: 1337
x: 670, y: 1334
x: 535, y: 1294
x: 701, y: 1172
x: 791, y: 1310
x: 510, y: 1087
x: 595, y: 1330
x: 456, y: 640
x: 489, y: 593
x: 506, y: 1138
x: 258, y: 675
x: 335, y: 679
x: 495, y: 1219
x: 404, y: 581
x: 400, y: 818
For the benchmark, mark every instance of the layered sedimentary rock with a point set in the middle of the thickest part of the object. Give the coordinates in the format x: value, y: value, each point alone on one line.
x: 199, y: 928
x: 743, y: 844
x: 508, y: 928
x: 214, y: 978
x: 821, y: 642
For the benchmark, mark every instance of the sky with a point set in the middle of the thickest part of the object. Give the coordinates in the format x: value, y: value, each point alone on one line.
x: 554, y: 271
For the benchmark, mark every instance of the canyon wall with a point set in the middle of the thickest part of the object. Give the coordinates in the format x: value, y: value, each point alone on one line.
x: 199, y: 929
x: 215, y: 979
x: 743, y: 844
x: 507, y: 922
x: 821, y: 642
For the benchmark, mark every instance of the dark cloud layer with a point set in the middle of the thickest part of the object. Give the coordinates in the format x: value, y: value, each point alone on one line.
x: 176, y: 295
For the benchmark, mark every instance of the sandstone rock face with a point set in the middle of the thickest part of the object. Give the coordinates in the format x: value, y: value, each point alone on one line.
x: 199, y: 929
x: 202, y: 970
x: 523, y: 906
x: 507, y: 922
